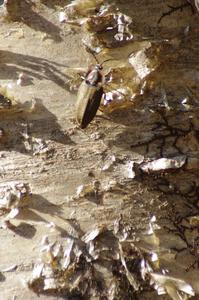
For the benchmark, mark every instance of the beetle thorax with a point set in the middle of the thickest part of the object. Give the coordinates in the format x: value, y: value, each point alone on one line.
x: 94, y: 76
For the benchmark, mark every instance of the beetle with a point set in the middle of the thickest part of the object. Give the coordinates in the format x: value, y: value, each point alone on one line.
x: 90, y: 94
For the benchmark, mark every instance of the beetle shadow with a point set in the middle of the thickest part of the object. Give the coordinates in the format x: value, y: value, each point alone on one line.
x: 28, y: 126
x: 12, y: 64
x: 24, y: 11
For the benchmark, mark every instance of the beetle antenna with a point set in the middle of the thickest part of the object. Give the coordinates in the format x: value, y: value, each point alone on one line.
x: 103, y: 61
x: 89, y: 50
x: 96, y: 58
x: 93, y: 54
x: 107, y: 60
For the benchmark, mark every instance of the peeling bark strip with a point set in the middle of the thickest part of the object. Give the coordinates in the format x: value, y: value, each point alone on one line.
x: 164, y: 164
x: 112, y: 212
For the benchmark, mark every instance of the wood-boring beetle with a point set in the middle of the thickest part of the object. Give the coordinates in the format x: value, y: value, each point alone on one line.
x: 90, y: 94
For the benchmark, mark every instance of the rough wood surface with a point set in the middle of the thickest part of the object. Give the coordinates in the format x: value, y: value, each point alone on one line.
x: 42, y: 48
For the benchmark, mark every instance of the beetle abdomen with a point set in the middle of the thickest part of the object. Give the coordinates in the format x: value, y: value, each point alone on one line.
x: 88, y: 102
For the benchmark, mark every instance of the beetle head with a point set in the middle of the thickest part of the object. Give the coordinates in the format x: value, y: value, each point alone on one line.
x: 98, y: 67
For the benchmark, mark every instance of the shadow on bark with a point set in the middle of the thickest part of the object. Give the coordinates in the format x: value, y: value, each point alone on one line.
x: 11, y: 64
x: 23, y: 130
x: 23, y: 11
